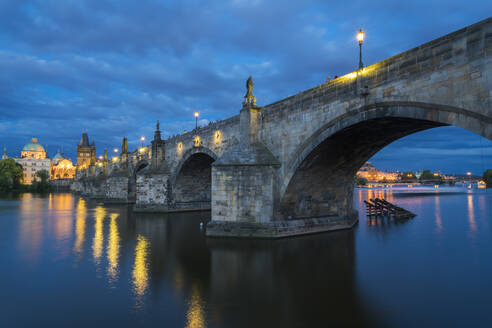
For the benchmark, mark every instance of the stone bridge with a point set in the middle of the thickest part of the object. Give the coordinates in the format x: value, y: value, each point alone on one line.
x: 288, y: 168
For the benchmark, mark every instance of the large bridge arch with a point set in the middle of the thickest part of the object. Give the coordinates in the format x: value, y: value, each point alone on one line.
x: 191, y: 180
x: 317, y: 178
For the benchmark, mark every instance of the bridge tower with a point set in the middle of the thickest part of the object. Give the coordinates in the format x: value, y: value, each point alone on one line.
x: 153, y: 192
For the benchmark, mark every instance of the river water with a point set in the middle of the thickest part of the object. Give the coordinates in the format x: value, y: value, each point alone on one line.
x: 70, y: 262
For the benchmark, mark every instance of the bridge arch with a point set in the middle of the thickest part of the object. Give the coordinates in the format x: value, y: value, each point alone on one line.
x: 191, y: 180
x: 327, y: 161
x: 140, y: 165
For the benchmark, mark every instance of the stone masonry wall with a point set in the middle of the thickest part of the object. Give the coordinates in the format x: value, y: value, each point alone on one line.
x: 243, y: 193
x: 152, y: 190
x: 117, y: 188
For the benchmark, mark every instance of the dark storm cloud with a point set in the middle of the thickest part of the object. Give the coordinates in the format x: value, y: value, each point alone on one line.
x: 114, y: 67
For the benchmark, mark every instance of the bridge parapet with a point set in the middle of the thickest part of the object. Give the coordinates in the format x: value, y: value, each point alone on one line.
x: 217, y: 137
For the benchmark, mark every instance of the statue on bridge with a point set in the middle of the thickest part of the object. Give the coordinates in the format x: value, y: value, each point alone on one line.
x: 249, y: 99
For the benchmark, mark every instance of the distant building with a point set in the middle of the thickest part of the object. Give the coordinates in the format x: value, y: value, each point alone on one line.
x: 33, y: 159
x: 4, y: 155
x: 86, y: 153
x: 369, y: 172
x: 61, y: 168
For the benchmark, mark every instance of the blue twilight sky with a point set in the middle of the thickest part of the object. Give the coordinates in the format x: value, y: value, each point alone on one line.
x: 112, y: 67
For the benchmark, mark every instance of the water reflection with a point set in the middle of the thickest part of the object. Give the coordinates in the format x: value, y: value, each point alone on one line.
x: 140, y: 272
x: 471, y: 214
x: 113, y: 248
x: 196, y: 313
x: 173, y: 275
x: 60, y: 202
x: 81, y: 214
x: 97, y: 243
x: 30, y: 226
x: 437, y: 212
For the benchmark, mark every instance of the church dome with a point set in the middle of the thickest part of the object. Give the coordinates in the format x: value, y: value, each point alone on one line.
x: 59, y: 156
x: 33, y: 146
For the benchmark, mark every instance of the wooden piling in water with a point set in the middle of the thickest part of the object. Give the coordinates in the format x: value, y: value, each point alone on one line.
x: 382, y: 208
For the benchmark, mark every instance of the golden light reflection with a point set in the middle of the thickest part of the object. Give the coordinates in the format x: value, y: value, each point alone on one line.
x: 113, y: 248
x: 80, y: 216
x: 140, y: 270
x: 31, y: 226
x: 180, y: 147
x: 61, y: 202
x: 471, y: 213
x: 61, y: 211
x: 437, y: 210
x: 97, y: 243
x: 196, y: 314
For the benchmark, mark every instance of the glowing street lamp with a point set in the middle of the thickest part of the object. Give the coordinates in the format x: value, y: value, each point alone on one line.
x: 196, y: 119
x: 100, y: 157
x: 116, y: 150
x: 142, y: 138
x: 360, y: 38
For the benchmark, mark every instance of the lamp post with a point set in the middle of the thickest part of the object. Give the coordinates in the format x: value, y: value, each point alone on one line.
x: 196, y: 119
x: 360, y: 38
x: 142, y: 138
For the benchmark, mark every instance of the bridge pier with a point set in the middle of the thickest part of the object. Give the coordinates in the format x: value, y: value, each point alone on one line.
x: 153, y: 192
x: 245, y: 190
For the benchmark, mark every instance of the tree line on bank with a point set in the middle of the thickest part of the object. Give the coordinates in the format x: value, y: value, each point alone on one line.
x: 12, y: 176
x: 426, y: 176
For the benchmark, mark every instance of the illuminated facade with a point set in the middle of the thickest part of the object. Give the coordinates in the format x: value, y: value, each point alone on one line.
x: 86, y: 153
x: 33, y: 159
x: 369, y: 172
x: 62, y: 168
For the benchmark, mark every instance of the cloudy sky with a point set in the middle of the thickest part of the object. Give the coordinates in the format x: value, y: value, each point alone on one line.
x: 112, y: 68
